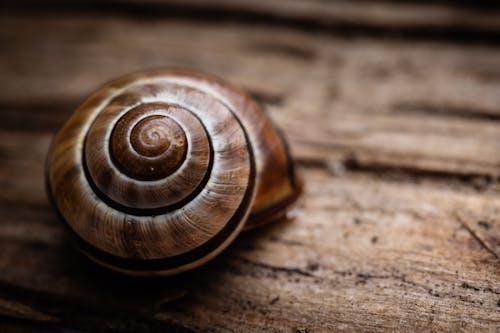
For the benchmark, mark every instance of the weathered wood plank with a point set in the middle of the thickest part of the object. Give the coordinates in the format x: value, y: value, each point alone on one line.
x: 399, y: 144
x: 476, y: 21
x: 425, y: 107
x: 363, y: 253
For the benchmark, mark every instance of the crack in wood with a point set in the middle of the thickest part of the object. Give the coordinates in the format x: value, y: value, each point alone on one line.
x: 351, y: 163
x: 267, y: 98
x: 364, y: 277
x: 286, y: 241
x: 288, y: 50
x: 475, y: 236
x: 275, y: 269
x: 446, y: 111
x: 466, y: 285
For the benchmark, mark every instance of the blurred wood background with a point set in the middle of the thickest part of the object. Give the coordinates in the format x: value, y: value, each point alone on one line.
x: 392, y: 109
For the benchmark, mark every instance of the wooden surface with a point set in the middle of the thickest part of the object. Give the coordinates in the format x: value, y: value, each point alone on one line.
x: 393, y: 115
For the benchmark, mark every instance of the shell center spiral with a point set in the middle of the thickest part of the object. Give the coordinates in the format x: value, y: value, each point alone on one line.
x: 151, y: 136
x: 146, y: 144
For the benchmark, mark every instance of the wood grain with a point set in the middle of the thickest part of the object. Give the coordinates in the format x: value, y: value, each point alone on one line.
x: 398, y: 140
x: 445, y: 20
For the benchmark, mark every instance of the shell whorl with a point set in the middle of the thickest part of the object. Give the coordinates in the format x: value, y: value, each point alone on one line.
x: 158, y: 172
x: 152, y: 156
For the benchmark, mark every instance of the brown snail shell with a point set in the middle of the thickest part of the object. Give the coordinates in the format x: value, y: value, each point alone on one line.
x: 157, y: 172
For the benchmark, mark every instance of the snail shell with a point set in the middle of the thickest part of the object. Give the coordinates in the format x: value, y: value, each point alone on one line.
x: 157, y: 172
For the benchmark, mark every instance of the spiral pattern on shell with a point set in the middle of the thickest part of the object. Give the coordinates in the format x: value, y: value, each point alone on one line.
x: 157, y: 172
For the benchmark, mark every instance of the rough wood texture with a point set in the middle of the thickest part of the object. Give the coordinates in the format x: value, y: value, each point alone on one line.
x: 398, y: 137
